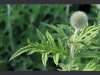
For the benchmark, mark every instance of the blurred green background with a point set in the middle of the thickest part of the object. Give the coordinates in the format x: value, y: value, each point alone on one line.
x: 18, y: 22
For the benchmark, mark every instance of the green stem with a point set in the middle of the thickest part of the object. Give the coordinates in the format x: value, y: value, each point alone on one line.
x: 73, y: 46
x: 72, y: 50
x: 9, y: 25
x: 44, y: 69
x: 98, y: 20
x: 67, y: 10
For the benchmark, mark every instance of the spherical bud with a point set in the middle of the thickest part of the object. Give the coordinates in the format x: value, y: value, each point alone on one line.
x: 78, y: 20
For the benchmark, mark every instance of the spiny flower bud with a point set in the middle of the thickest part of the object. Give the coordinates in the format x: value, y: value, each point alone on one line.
x: 78, y: 20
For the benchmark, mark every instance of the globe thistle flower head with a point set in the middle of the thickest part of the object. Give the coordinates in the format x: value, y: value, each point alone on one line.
x: 78, y: 20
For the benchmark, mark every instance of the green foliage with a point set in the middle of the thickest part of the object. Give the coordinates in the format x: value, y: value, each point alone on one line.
x: 45, y: 47
x: 48, y: 47
x: 25, y: 19
x: 92, y: 65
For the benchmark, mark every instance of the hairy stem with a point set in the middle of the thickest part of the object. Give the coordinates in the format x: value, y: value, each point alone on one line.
x: 73, y: 46
x: 72, y: 50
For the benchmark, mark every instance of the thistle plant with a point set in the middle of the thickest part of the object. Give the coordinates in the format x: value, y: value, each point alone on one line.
x: 78, y: 21
x: 66, y: 54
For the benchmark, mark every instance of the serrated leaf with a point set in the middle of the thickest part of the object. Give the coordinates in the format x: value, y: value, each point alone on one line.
x: 60, y: 44
x: 42, y: 37
x: 20, y: 51
x: 44, y: 58
x: 57, y: 29
x: 63, y: 66
x: 31, y: 52
x: 92, y: 65
x: 50, y: 40
x: 29, y: 42
x: 88, y: 34
x: 56, y: 58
